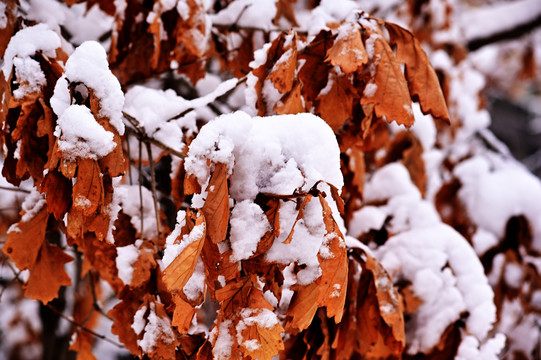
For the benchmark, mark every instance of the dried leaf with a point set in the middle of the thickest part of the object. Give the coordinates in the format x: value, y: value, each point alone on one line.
x: 334, y: 266
x: 88, y: 191
x: 183, y: 314
x: 28, y: 248
x: 348, y: 50
x: 144, y: 264
x: 336, y: 105
x: 389, y: 90
x: 123, y: 314
x: 422, y: 79
x: 291, y: 103
x: 216, y: 208
x: 177, y: 274
x: 282, y: 74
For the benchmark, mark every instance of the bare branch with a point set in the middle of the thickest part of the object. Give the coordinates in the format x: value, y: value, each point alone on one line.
x: 153, y: 188
x: 75, y: 323
x: 14, y: 189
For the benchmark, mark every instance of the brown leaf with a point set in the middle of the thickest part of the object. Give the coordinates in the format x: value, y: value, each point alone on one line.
x: 379, y: 308
x: 47, y: 275
x: 183, y: 314
x: 28, y: 248
x: 216, y: 208
x: 179, y: 271
x: 303, y: 307
x: 422, y: 79
x: 143, y: 266
x: 336, y: 105
x: 334, y: 266
x: 88, y: 191
x: 84, y: 313
x: 348, y: 50
x: 123, y: 314
x: 282, y: 74
x: 291, y: 103
x: 58, y: 190
x: 389, y: 90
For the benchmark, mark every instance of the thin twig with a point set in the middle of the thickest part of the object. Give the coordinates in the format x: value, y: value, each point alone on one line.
x: 141, y: 134
x: 14, y: 189
x: 75, y: 323
x: 129, y: 159
x: 153, y: 188
x: 95, y: 304
x: 141, y: 186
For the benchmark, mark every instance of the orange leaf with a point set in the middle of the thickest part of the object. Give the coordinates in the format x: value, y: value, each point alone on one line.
x: 179, y: 271
x: 336, y: 105
x: 123, y: 314
x: 422, y: 79
x: 28, y: 249
x: 25, y: 239
x: 389, y: 90
x: 143, y: 265
x: 282, y: 74
x: 291, y: 103
x: 348, y: 50
x: 334, y: 266
x: 58, y: 193
x: 183, y: 314
x: 88, y: 191
x: 303, y: 307
x: 216, y: 208
x: 47, y: 275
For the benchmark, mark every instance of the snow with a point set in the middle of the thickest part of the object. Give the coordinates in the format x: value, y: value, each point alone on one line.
x: 88, y: 65
x: 23, y: 45
x: 247, y: 215
x: 127, y: 197
x: 493, y: 191
x: 247, y: 13
x: 3, y: 16
x: 173, y: 248
x: 224, y: 342
x: 195, y: 287
x: 80, y: 135
x: 154, y: 328
x: 32, y: 205
x: 261, y: 153
x: 126, y: 257
x: 421, y: 256
x: 156, y: 111
x: 476, y: 25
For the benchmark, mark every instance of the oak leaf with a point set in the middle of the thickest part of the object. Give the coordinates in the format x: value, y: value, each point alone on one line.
x: 422, y: 79
x: 335, y: 106
x: 389, y: 90
x: 179, y: 271
x: 348, y: 50
x: 28, y: 248
x: 216, y: 207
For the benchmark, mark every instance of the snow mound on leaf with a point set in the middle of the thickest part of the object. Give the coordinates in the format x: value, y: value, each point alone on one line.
x: 80, y: 135
x: 88, y: 65
x: 495, y: 190
x: 275, y: 156
x: 21, y: 47
x: 447, y: 275
x: 267, y: 154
